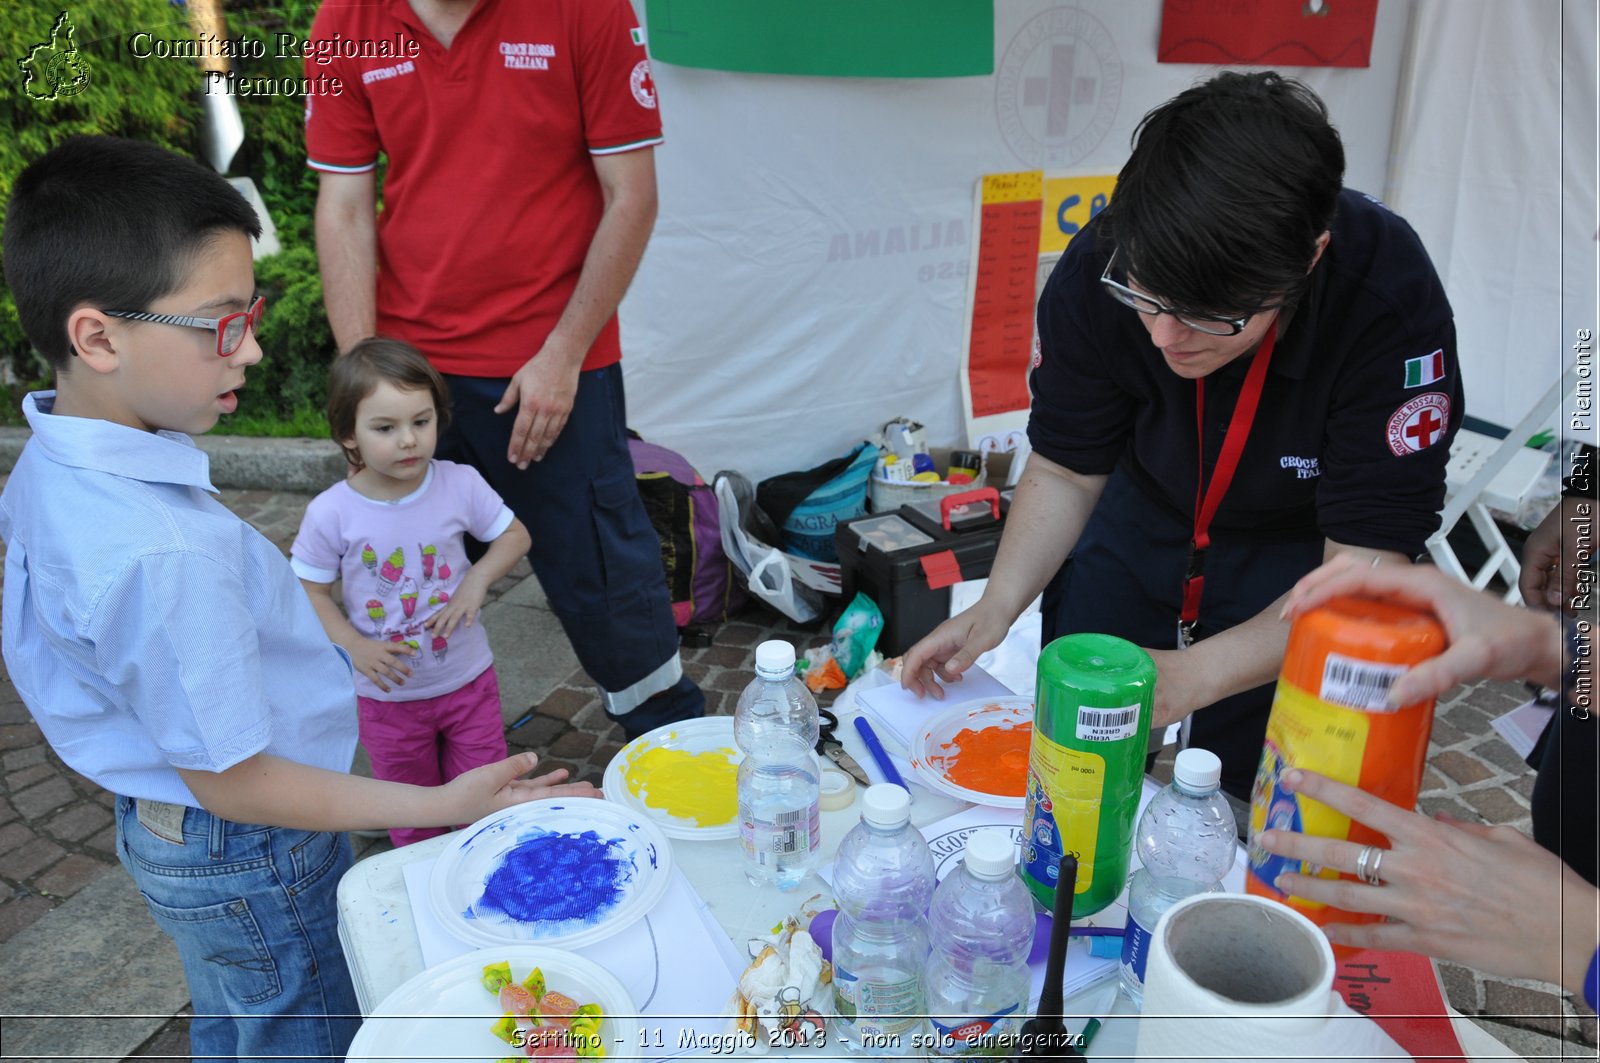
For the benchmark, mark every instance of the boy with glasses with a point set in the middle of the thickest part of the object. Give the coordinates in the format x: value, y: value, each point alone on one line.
x: 1243, y: 369
x: 164, y: 647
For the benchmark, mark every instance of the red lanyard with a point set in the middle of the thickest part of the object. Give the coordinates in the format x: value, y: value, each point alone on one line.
x: 1208, y: 497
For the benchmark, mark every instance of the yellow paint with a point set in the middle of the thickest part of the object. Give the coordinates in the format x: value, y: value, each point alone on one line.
x: 696, y: 787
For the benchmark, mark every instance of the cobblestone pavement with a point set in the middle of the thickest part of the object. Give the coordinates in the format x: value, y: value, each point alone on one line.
x: 56, y: 833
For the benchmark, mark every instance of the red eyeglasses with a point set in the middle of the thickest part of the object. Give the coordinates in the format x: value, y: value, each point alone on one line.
x: 229, y: 328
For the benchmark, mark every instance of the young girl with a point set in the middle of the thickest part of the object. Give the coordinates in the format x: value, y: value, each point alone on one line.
x: 393, y: 531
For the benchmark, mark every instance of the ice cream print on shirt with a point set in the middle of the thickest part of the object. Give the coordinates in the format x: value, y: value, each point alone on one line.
x: 393, y: 609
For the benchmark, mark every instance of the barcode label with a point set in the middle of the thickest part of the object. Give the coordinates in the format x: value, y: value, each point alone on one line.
x: 1358, y: 684
x: 1107, y: 725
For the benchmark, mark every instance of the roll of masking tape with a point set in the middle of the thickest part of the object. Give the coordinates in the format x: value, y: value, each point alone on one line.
x: 838, y: 790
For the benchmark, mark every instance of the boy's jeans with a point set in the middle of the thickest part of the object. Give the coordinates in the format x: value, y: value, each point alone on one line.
x: 252, y: 911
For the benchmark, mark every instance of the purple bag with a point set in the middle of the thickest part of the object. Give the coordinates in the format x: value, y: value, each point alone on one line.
x: 683, y: 510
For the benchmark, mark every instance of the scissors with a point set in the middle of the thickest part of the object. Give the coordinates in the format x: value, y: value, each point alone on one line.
x: 830, y: 747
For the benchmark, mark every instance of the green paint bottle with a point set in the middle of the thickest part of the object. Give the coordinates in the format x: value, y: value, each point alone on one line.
x: 1091, y: 730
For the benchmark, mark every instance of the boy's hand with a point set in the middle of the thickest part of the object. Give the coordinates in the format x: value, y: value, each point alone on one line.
x: 381, y: 662
x: 481, y: 791
x: 462, y: 608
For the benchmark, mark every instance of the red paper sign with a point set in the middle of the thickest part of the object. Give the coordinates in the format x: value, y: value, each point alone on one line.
x: 1002, y: 306
x: 1400, y: 992
x: 1267, y: 32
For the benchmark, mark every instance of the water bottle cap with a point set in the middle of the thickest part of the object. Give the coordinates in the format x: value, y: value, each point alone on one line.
x: 886, y: 805
x: 990, y: 853
x: 1197, y: 769
x: 774, y: 657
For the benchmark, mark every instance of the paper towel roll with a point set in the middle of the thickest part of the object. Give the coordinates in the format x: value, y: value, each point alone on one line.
x: 1236, y: 977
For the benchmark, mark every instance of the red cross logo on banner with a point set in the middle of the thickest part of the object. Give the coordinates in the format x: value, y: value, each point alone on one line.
x: 1419, y: 423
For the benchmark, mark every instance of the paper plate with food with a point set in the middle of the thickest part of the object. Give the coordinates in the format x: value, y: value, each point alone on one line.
x: 513, y: 1001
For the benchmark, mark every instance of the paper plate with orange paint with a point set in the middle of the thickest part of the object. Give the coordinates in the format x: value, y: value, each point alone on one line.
x: 978, y: 751
x: 682, y: 777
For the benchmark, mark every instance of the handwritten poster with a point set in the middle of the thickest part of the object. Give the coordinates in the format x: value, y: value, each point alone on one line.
x: 1400, y: 992
x: 1023, y: 222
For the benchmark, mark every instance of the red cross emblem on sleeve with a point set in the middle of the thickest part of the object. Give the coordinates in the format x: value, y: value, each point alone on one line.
x: 1419, y: 423
x: 642, y: 85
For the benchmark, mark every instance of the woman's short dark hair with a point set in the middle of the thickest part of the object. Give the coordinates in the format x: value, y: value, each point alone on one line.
x: 373, y: 361
x: 1230, y: 183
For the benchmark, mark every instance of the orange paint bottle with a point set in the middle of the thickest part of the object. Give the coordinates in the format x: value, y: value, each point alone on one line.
x: 1329, y: 716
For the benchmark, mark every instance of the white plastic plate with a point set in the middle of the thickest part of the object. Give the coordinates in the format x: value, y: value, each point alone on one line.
x: 935, y: 743
x: 628, y: 783
x: 562, y: 872
x: 445, y: 1013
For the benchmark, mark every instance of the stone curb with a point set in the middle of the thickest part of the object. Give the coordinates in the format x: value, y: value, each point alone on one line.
x: 306, y: 466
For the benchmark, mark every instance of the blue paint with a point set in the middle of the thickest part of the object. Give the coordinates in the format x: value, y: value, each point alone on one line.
x: 551, y: 877
x: 496, y: 827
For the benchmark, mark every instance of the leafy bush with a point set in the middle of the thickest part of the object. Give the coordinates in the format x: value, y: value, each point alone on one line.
x: 295, y: 336
x: 158, y: 99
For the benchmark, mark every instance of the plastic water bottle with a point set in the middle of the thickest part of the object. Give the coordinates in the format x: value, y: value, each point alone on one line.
x: 1185, y: 840
x: 776, y: 727
x: 981, y: 925
x: 882, y: 881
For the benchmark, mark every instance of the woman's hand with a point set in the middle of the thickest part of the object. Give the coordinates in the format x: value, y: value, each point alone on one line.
x: 1488, y: 638
x: 1487, y: 897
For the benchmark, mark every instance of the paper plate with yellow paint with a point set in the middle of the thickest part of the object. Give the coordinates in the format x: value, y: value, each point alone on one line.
x: 683, y: 777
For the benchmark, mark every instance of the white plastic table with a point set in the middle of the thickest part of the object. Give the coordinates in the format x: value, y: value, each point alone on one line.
x: 378, y: 932
x: 379, y: 937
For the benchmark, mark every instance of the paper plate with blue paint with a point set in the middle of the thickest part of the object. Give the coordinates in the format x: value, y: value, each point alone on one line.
x: 563, y: 872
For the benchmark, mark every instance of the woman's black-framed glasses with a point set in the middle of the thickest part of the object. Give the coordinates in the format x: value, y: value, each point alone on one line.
x: 1211, y: 324
x: 230, y: 328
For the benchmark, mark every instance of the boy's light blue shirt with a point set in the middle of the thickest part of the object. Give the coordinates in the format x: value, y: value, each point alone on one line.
x: 148, y: 628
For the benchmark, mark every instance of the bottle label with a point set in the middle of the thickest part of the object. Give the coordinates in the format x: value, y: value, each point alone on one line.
x: 1107, y: 725
x: 1065, y: 787
x: 795, y: 831
x: 1359, y: 684
x: 1136, y: 947
x: 1303, y: 731
x: 877, y: 1010
x: 992, y: 1035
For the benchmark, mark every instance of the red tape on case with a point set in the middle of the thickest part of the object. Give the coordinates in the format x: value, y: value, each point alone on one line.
x: 942, y: 569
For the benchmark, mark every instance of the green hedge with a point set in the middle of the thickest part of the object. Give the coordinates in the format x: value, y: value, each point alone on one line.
x: 158, y: 99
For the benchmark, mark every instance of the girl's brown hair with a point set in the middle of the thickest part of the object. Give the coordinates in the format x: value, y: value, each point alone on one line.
x: 371, y: 362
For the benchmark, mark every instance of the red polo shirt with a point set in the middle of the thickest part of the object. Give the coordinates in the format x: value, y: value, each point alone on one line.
x: 490, y: 199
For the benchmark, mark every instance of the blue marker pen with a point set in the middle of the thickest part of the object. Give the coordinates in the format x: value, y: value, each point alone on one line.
x: 879, y: 754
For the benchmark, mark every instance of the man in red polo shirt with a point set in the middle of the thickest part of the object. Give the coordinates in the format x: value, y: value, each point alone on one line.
x: 519, y: 196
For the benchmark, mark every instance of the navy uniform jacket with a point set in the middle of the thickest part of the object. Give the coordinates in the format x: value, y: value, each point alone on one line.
x: 1345, y: 444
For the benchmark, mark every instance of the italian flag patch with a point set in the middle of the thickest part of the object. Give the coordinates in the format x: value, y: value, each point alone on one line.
x: 638, y: 36
x: 1425, y: 370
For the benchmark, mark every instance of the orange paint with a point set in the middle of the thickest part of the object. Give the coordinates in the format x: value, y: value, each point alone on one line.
x: 989, y: 760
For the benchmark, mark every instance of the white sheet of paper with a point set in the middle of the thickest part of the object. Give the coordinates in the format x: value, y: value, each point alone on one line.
x: 674, y: 962
x: 902, y: 714
x: 1522, y: 726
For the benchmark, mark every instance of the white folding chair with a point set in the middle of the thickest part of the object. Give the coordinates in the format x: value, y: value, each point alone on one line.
x: 1487, y: 473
